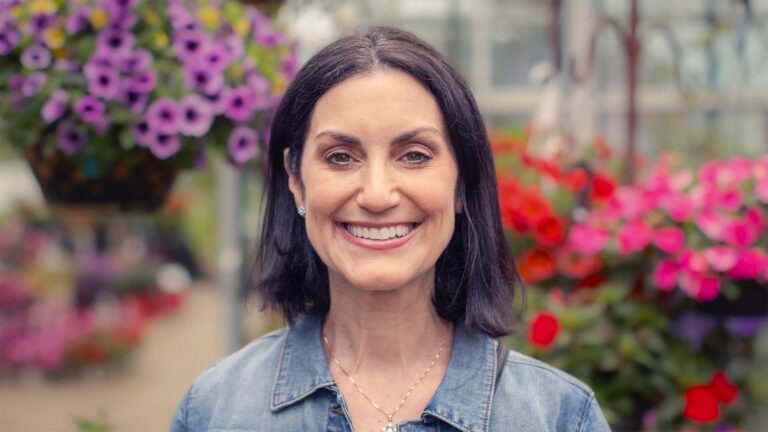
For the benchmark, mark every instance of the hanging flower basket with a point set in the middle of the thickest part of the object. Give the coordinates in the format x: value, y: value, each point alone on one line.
x: 142, y: 186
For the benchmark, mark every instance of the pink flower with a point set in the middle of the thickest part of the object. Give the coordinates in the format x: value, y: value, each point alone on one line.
x: 665, y: 274
x: 748, y: 265
x: 633, y: 202
x: 702, y: 287
x: 587, y: 239
x: 741, y: 233
x: 756, y: 217
x: 721, y: 258
x: 713, y: 225
x: 669, y: 239
x: 761, y: 189
x: 634, y: 236
x: 678, y: 206
x: 693, y: 261
x: 729, y: 199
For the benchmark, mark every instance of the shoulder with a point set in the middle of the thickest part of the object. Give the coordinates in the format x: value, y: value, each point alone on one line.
x: 549, y: 398
x: 238, y: 383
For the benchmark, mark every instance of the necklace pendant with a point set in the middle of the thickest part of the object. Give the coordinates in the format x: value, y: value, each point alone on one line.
x: 389, y: 428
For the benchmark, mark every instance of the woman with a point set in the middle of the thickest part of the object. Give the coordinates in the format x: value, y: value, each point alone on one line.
x: 383, y: 248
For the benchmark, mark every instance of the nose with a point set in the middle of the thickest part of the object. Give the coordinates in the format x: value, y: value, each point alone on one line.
x: 379, y: 188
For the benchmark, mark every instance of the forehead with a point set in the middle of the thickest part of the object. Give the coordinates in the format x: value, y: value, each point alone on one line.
x: 376, y: 102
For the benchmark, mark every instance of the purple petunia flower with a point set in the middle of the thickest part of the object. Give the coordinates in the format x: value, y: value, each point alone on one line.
x: 234, y: 46
x: 90, y: 109
x: 270, y: 38
x: 77, y: 21
x: 218, y: 101
x: 66, y: 65
x: 33, y: 83
x: 164, y: 145
x: 114, y: 44
x: 135, y: 101
x: 196, y: 116
x: 40, y: 22
x: 204, y: 79
x: 290, y: 63
x: 144, y: 82
x: 69, y: 138
x: 243, y: 144
x: 179, y: 16
x: 163, y: 116
x: 743, y: 326
x: 215, y: 57
x: 56, y: 106
x: 141, y: 132
x: 121, y: 21
x: 36, y: 57
x: 693, y: 328
x: 15, y: 82
x: 136, y: 61
x: 189, y: 45
x: 240, y: 104
x: 8, y: 40
x: 103, y: 81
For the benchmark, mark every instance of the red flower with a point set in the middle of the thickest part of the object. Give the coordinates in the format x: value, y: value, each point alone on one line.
x: 701, y: 404
x: 575, y: 179
x: 603, y: 186
x: 536, y: 265
x: 549, y: 231
x: 533, y: 206
x: 576, y: 265
x: 543, y: 329
x: 724, y: 390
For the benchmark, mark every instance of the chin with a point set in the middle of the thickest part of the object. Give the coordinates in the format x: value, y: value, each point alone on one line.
x: 379, y: 281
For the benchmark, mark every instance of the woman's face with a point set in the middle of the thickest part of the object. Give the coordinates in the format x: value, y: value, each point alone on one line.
x: 378, y: 180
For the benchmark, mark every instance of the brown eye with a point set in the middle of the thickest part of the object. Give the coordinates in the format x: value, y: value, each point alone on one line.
x: 339, y: 159
x: 416, y: 158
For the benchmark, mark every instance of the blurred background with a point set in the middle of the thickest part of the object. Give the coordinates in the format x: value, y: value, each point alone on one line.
x: 631, y: 139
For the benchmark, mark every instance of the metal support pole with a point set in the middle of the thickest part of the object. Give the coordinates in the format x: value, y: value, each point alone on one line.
x: 229, y: 256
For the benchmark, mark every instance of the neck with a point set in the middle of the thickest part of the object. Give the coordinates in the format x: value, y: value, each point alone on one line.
x: 391, y: 332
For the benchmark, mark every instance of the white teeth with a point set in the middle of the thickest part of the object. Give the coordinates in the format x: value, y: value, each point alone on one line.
x: 385, y: 233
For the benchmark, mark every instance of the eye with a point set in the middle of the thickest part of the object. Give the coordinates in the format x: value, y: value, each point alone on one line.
x: 339, y: 159
x: 416, y: 157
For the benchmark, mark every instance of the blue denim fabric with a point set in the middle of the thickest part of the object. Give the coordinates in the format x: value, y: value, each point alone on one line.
x: 281, y: 383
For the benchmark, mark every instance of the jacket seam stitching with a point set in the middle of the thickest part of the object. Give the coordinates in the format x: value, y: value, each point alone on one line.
x: 570, y: 380
x: 585, y: 412
x: 489, y: 401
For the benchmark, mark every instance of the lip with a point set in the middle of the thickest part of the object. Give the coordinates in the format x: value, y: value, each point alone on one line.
x: 376, y: 244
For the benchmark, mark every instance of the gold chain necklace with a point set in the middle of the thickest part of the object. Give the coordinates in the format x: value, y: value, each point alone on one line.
x: 389, y: 427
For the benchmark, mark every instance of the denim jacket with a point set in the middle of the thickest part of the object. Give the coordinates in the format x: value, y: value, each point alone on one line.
x: 281, y: 383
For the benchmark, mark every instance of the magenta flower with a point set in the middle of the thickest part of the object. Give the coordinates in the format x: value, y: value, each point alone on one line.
x: 587, y: 239
x: 164, y: 145
x: 218, y: 101
x: 240, y: 104
x: 634, y: 236
x: 143, y: 82
x: 90, y: 109
x: 679, y: 207
x: 69, y: 138
x: 135, y: 101
x: 702, y: 287
x: 103, y: 81
x: 196, y: 116
x: 209, y: 81
x: 761, y: 189
x: 721, y: 258
x: 114, y: 44
x: 163, y: 116
x: 234, y: 46
x: 693, y: 262
x: 36, y: 57
x: 741, y: 233
x: 9, y: 38
x: 215, y: 57
x: 189, y: 45
x: 712, y: 224
x: 141, y: 132
x: 136, y: 61
x: 665, y: 274
x: 33, y: 83
x: 55, y: 107
x: 243, y: 144
x: 669, y: 239
x: 748, y: 265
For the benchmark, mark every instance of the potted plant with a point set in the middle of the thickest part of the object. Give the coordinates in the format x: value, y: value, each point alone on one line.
x: 108, y: 99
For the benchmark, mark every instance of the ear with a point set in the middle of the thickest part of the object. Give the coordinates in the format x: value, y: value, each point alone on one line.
x: 294, y: 184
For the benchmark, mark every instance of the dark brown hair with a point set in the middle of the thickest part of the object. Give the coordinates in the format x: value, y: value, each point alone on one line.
x: 476, y: 277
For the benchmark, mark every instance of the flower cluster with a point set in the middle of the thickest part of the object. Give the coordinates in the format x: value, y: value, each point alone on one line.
x: 642, y: 290
x: 705, y: 228
x: 98, y: 77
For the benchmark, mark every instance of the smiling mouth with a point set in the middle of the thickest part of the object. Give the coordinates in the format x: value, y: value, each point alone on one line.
x: 380, y: 233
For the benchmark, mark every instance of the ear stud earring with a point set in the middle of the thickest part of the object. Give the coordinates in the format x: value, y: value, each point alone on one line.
x: 302, y: 211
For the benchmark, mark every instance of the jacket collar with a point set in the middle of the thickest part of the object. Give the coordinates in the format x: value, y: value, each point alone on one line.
x: 462, y: 400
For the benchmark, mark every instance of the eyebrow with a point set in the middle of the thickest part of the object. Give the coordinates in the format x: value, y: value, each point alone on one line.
x: 403, y: 137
